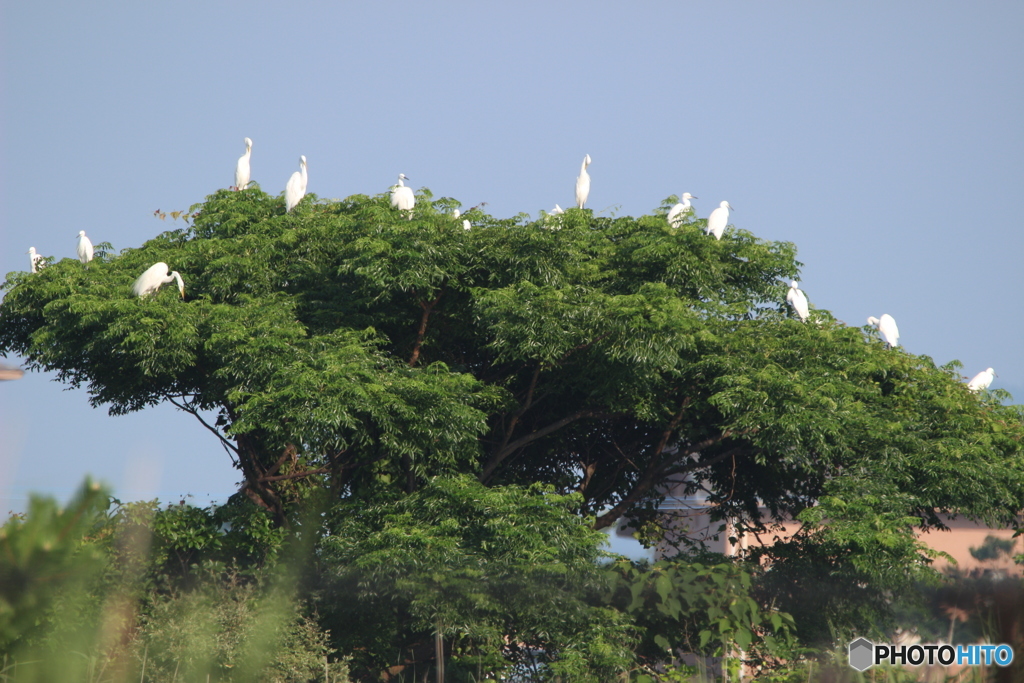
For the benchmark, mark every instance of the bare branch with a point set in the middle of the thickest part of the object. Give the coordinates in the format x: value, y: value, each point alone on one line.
x: 588, y: 474
x: 519, y: 413
x: 653, y: 476
x: 254, y: 488
x: 692, y: 465
x: 654, y: 469
x: 185, y: 406
x: 422, y: 332
x: 289, y: 451
x: 504, y: 452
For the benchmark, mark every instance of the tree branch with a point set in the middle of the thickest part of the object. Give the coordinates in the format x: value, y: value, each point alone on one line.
x: 693, y: 465
x: 410, y: 474
x: 519, y: 413
x: 505, y: 451
x: 289, y: 451
x: 649, y: 478
x: 195, y: 413
x: 653, y: 476
x: 588, y: 474
x: 296, y: 475
x: 422, y: 332
x: 580, y: 347
x: 254, y: 488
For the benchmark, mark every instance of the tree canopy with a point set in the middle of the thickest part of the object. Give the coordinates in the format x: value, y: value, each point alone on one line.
x: 352, y: 356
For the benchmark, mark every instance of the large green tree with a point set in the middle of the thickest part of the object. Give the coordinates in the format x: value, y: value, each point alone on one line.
x: 351, y: 355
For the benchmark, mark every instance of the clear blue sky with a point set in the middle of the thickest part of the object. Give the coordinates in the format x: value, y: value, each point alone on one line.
x: 884, y: 139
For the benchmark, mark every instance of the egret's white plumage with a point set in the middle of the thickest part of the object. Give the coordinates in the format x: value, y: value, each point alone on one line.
x: 798, y: 300
x: 155, y: 277
x: 982, y: 380
x: 583, y: 183
x: 552, y: 221
x: 718, y: 219
x: 242, y: 174
x: 84, y: 247
x: 677, y: 212
x: 295, y: 190
x: 402, y: 197
x: 887, y: 327
x: 35, y: 260
x: 466, y: 225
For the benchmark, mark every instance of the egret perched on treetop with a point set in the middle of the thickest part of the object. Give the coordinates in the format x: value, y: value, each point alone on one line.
x: 35, y: 260
x: 402, y: 197
x: 465, y: 223
x: 887, y: 326
x: 718, y: 219
x: 981, y: 380
x: 242, y: 167
x: 798, y: 300
x: 675, y: 214
x: 154, y: 277
x: 583, y: 183
x: 84, y: 247
x: 552, y: 220
x: 295, y: 190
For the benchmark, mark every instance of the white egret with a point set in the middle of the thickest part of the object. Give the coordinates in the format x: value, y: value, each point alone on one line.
x: 35, y: 260
x: 718, y: 219
x: 155, y: 277
x: 466, y: 225
x: 583, y: 183
x: 887, y: 327
x: 676, y: 213
x: 84, y: 247
x: 242, y: 174
x: 981, y: 380
x: 798, y: 300
x: 402, y: 197
x: 552, y: 221
x: 295, y: 190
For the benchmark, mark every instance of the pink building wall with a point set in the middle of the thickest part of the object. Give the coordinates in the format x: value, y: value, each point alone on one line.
x: 688, y: 516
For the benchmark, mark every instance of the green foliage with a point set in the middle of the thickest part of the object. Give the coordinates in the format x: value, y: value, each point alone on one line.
x: 355, y: 358
x: 508, y: 574
x: 45, y: 557
x: 233, y: 630
x: 689, y: 607
x: 91, y: 595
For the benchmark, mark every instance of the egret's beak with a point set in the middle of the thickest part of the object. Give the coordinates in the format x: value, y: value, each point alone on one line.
x: 182, y: 290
